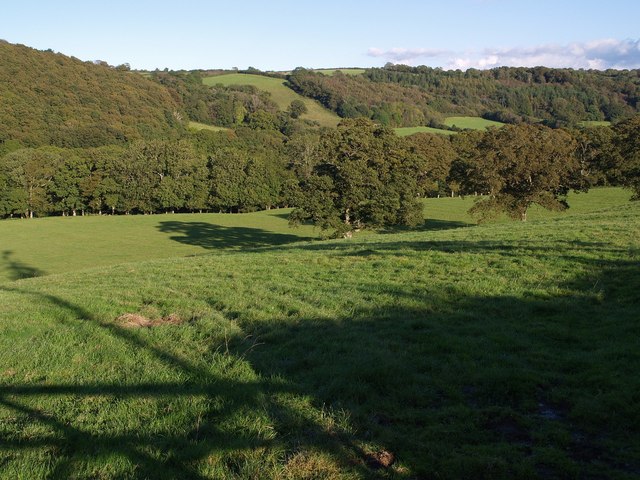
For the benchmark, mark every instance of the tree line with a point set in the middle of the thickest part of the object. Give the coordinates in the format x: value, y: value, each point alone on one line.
x: 357, y: 175
x: 207, y: 171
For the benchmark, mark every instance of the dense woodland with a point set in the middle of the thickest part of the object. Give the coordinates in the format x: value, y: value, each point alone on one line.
x: 51, y: 99
x: 403, y: 96
x: 83, y: 137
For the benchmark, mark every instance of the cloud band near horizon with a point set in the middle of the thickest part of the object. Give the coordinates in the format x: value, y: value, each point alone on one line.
x: 598, y: 54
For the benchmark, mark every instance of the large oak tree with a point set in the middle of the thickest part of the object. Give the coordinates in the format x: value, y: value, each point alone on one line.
x: 522, y: 165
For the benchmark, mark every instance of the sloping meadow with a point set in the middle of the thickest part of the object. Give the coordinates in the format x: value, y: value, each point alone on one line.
x: 499, y: 351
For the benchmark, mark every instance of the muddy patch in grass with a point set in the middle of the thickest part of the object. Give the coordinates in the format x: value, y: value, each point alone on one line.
x: 135, y: 320
x: 381, y: 459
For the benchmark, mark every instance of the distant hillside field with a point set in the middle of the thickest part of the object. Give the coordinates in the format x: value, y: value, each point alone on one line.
x: 345, y: 71
x: 473, y: 123
x: 280, y: 94
x: 595, y: 124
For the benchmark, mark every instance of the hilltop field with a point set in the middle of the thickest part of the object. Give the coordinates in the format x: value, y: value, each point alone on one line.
x: 280, y: 94
x: 232, y: 347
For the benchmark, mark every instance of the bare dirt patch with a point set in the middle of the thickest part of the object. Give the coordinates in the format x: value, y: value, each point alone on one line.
x: 381, y: 459
x: 135, y: 320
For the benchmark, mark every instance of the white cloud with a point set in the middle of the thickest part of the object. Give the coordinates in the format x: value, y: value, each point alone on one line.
x: 598, y: 54
x: 407, y: 54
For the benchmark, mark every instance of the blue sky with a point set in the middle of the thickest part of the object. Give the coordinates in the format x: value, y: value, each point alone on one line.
x: 283, y: 34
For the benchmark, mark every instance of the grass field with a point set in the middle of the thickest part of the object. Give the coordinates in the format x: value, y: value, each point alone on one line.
x: 473, y: 123
x: 54, y: 245
x: 282, y: 95
x: 498, y: 351
x: 51, y: 245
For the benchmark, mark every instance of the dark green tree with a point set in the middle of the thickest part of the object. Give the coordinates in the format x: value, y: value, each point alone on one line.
x: 597, y: 156
x: 29, y: 175
x: 365, y: 178
x: 66, y: 187
x: 434, y: 155
x: 523, y: 165
x: 627, y: 141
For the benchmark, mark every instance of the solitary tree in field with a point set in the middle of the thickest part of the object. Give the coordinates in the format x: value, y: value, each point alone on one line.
x: 522, y: 165
x: 364, y: 177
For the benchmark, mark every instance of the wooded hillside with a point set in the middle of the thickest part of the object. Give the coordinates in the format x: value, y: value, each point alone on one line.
x: 399, y: 95
x: 52, y: 99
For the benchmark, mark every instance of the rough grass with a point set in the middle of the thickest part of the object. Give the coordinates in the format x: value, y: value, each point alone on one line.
x: 282, y: 95
x: 498, y: 351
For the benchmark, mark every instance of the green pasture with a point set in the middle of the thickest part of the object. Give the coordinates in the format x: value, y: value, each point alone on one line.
x: 473, y: 123
x: 502, y: 351
x: 282, y: 95
x: 52, y: 245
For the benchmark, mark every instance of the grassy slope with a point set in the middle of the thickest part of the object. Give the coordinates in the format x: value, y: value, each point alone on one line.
x: 474, y: 123
x: 595, y: 123
x: 280, y: 94
x: 500, y: 351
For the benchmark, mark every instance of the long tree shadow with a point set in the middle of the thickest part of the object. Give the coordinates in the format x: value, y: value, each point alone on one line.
x: 180, y: 453
x: 431, y: 225
x: 560, y: 249
x: 451, y: 385
x: 16, y: 269
x: 211, y: 236
x: 447, y: 385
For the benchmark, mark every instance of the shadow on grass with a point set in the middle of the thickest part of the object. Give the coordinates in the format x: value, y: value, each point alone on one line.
x: 455, y: 386
x: 16, y: 269
x: 211, y: 236
x: 560, y: 249
x: 166, y: 455
x: 431, y: 225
